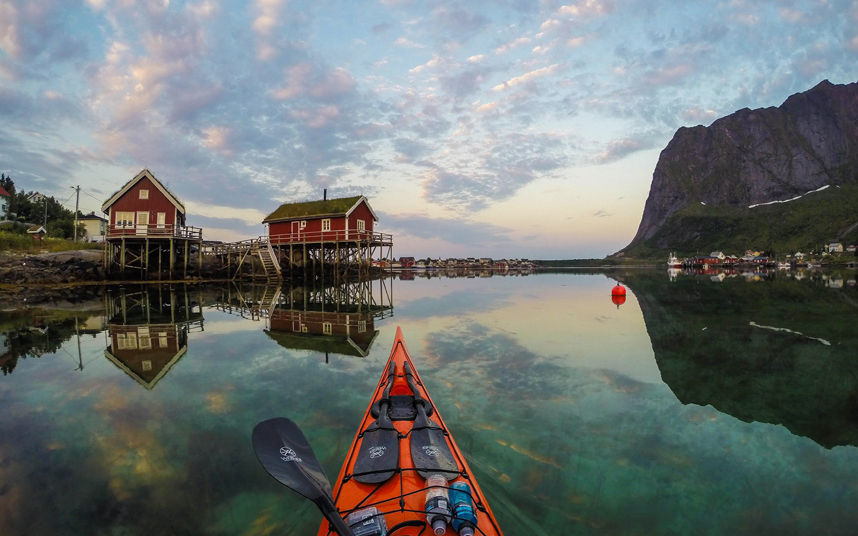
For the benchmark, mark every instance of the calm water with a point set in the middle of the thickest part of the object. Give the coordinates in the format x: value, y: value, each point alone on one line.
x: 702, y: 405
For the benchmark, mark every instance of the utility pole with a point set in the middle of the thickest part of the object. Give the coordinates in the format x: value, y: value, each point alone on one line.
x: 46, y: 214
x: 76, y: 202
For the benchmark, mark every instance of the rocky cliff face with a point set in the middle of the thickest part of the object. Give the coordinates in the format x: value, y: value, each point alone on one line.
x: 757, y: 156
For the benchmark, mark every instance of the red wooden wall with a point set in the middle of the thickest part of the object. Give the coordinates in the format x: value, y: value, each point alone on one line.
x: 157, y: 202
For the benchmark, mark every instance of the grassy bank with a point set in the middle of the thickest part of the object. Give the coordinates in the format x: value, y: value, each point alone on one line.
x: 17, y: 243
x: 778, y: 229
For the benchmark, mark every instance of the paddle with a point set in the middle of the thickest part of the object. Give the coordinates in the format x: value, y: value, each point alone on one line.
x: 287, y: 456
x: 429, y: 449
x: 378, y: 456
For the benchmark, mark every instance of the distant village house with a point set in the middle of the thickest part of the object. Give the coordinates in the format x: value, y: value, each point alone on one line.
x: 835, y: 247
x: 95, y: 226
x: 36, y: 197
x: 4, y: 203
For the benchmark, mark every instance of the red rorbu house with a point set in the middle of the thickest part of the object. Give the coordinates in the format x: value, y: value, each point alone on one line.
x: 328, y: 220
x: 338, y: 232
x: 146, y: 227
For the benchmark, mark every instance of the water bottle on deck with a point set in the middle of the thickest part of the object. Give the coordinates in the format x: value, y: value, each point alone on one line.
x: 464, y: 516
x: 437, y: 504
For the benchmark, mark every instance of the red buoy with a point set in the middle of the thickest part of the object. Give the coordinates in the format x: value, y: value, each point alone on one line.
x: 618, y: 299
x: 619, y: 290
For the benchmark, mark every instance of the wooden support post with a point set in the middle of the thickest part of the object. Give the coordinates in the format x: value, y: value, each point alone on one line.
x: 186, y: 258
x: 172, y: 257
x: 146, y: 260
x: 200, y: 259
x: 122, y: 258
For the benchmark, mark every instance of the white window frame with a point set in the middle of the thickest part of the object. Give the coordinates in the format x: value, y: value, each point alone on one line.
x: 125, y: 220
x: 303, y: 223
x: 162, y: 220
x: 361, y: 226
x: 361, y: 326
x: 327, y: 328
x: 162, y: 339
x: 147, y: 365
x: 144, y: 194
x: 326, y: 224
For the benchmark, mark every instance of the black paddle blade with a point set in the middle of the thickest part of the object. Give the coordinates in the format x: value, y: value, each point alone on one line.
x: 430, y: 452
x: 378, y: 456
x: 287, y: 456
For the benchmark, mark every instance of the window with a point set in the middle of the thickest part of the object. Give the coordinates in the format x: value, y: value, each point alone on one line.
x: 327, y: 328
x: 303, y: 223
x: 162, y: 339
x: 162, y: 220
x: 143, y: 338
x: 361, y: 326
x: 147, y: 365
x: 326, y: 225
x: 361, y: 225
x: 303, y: 328
x: 144, y: 194
x: 124, y: 220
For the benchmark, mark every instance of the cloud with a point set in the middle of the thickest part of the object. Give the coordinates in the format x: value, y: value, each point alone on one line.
x: 407, y: 43
x: 488, y: 107
x: 512, y: 44
x: 381, y: 28
x: 621, y: 148
x: 451, y: 230
x: 527, y: 77
x: 303, y: 79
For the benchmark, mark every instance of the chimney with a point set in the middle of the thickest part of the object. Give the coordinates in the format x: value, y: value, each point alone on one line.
x: 325, y: 195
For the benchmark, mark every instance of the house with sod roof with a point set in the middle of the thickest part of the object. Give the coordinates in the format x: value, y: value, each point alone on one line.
x: 334, y: 235
x: 326, y: 219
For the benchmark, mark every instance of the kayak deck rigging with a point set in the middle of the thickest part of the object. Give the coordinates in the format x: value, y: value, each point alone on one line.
x: 399, y: 497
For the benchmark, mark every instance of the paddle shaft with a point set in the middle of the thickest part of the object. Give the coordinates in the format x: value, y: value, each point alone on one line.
x: 416, y: 392
x: 326, y: 506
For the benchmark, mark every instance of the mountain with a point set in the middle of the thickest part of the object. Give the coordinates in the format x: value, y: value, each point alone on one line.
x: 709, y: 179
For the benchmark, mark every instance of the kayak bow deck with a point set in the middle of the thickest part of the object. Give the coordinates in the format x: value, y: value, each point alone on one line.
x: 399, y: 415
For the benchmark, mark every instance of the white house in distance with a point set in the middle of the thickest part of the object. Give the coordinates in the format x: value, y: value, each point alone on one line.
x: 4, y: 203
x: 36, y: 197
x: 835, y: 247
x: 95, y: 226
x: 718, y: 254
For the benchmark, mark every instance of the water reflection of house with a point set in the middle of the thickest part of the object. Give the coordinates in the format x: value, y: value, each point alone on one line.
x: 148, y: 330
x: 339, y: 319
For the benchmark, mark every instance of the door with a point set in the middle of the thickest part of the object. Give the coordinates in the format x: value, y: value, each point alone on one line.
x: 162, y: 220
x: 296, y: 232
x: 142, y: 223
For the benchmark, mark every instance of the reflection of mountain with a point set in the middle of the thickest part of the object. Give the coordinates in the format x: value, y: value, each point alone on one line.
x: 334, y: 319
x: 778, y: 351
x: 149, y: 328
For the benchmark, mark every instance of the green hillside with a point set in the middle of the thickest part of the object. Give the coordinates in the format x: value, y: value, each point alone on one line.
x: 781, y: 228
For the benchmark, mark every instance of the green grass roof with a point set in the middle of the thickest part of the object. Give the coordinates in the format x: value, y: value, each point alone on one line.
x: 310, y: 209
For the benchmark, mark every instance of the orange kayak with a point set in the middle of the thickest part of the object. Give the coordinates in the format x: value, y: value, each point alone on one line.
x: 398, y: 490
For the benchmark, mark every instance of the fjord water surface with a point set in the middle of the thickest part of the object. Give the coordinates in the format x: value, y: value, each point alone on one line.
x: 699, y: 406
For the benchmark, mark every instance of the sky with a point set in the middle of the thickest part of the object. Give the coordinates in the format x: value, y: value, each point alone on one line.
x: 501, y: 128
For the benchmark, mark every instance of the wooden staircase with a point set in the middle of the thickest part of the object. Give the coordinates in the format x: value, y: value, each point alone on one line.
x: 262, y: 249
